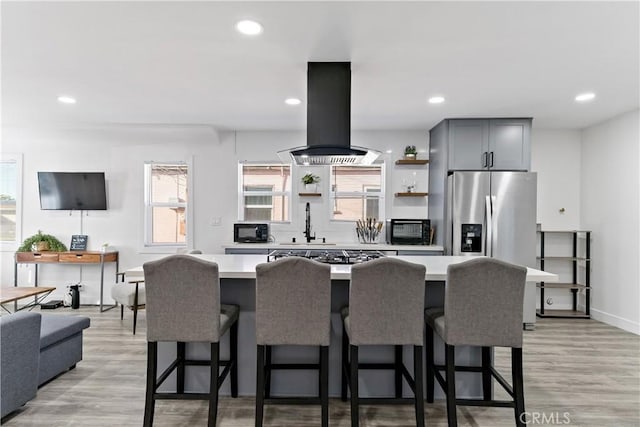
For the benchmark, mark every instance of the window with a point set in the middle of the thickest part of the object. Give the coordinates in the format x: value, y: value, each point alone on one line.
x: 166, y: 203
x: 10, y: 200
x: 265, y: 192
x: 357, y: 192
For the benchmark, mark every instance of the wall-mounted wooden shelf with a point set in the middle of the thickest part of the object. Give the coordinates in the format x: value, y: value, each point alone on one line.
x: 309, y: 194
x: 411, y: 194
x: 411, y: 162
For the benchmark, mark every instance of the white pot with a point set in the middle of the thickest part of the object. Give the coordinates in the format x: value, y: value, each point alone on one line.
x: 311, y: 188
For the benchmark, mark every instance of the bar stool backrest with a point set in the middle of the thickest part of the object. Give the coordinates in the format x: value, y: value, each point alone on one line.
x: 483, y: 303
x: 293, y: 302
x: 386, y: 302
x: 183, y: 299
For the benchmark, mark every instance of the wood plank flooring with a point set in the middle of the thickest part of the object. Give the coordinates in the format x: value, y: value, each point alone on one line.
x: 583, y: 369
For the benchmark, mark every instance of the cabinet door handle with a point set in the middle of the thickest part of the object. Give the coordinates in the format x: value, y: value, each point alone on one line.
x: 491, y: 159
x: 484, y: 159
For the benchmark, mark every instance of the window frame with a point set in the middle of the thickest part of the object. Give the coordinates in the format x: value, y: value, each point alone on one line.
x: 10, y: 246
x: 147, y: 243
x: 242, y: 194
x: 333, y: 195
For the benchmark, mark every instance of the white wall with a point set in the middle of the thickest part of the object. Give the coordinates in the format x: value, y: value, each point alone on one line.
x: 120, y: 151
x: 610, y: 199
x: 555, y: 156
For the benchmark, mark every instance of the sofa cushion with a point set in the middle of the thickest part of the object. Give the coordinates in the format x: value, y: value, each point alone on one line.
x: 56, y: 328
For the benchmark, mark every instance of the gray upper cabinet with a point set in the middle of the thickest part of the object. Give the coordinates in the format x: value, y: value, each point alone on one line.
x: 468, y: 144
x: 489, y: 144
x: 509, y: 144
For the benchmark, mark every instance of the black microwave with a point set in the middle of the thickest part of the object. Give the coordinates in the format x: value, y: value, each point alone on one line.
x: 408, y: 231
x: 250, y: 233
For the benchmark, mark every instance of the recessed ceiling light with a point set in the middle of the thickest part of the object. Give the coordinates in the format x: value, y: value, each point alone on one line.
x: 436, y: 100
x: 292, y: 101
x: 583, y: 97
x: 250, y: 28
x: 389, y: 151
x: 66, y: 99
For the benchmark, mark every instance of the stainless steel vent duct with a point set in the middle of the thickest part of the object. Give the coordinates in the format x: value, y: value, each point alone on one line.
x: 329, y: 119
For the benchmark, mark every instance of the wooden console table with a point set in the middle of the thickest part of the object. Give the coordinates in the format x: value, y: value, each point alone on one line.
x: 70, y: 257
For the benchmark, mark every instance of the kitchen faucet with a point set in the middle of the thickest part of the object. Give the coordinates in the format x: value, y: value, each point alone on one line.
x: 307, y: 225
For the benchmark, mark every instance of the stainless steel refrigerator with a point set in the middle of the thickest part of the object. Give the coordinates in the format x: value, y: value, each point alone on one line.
x: 494, y: 214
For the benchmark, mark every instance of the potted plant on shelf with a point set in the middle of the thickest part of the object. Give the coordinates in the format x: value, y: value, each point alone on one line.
x: 42, y: 242
x: 410, y: 152
x: 310, y: 182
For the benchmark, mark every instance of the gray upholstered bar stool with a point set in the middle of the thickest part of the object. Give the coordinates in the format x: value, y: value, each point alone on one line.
x: 386, y: 307
x: 482, y: 307
x: 183, y: 305
x: 132, y: 293
x: 293, y: 307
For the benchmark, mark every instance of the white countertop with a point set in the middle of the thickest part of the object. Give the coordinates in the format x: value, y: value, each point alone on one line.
x: 332, y: 245
x: 244, y: 267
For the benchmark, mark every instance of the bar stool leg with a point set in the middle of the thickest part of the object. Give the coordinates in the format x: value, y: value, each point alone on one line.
x: 213, y: 387
x: 233, y: 356
x: 486, y: 373
x: 518, y: 385
x: 450, y: 357
x: 324, y: 384
x: 267, y: 393
x: 181, y: 355
x: 430, y: 368
x: 417, y: 378
x: 152, y: 368
x: 344, y: 365
x: 259, y: 385
x: 398, y: 370
x: 121, y: 311
x: 355, y: 421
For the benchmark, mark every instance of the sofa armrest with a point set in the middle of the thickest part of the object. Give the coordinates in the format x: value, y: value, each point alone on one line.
x: 20, y: 356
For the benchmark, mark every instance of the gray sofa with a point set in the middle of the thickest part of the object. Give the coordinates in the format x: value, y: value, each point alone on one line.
x: 34, y: 349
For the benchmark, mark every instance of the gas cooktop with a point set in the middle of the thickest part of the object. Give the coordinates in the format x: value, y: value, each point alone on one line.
x: 328, y: 256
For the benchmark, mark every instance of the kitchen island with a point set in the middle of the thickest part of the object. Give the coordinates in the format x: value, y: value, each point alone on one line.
x: 237, y: 286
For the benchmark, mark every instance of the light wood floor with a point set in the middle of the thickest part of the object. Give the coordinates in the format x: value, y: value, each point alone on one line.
x: 582, y: 368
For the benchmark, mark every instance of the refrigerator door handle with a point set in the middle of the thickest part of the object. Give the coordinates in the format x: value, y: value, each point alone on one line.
x: 488, y: 246
x: 484, y: 159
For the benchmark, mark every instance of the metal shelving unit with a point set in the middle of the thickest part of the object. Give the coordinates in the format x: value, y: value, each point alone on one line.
x: 572, y: 286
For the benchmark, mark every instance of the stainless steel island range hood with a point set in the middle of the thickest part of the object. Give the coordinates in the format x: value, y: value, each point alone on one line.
x: 329, y: 119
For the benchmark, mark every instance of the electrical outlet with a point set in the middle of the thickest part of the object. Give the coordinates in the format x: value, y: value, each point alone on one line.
x: 215, y: 221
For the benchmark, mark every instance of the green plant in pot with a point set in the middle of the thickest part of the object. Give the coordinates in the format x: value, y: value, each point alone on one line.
x: 310, y: 182
x: 42, y: 242
x: 410, y: 152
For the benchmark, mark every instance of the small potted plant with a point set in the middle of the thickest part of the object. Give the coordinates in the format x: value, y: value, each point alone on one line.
x: 42, y: 242
x: 410, y: 152
x: 310, y: 182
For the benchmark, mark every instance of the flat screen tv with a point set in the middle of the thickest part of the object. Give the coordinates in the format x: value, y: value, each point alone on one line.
x: 72, y: 191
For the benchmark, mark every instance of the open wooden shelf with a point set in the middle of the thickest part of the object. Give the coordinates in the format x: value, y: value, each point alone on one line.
x: 563, y: 314
x: 411, y: 162
x: 309, y: 194
x: 559, y: 285
x: 411, y: 194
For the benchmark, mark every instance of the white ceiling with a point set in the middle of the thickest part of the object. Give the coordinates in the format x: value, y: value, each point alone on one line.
x: 183, y: 63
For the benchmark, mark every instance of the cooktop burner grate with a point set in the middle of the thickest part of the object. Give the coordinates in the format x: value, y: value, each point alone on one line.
x: 328, y: 256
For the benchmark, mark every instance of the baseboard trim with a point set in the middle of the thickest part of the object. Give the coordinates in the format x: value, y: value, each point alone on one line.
x: 617, y: 321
